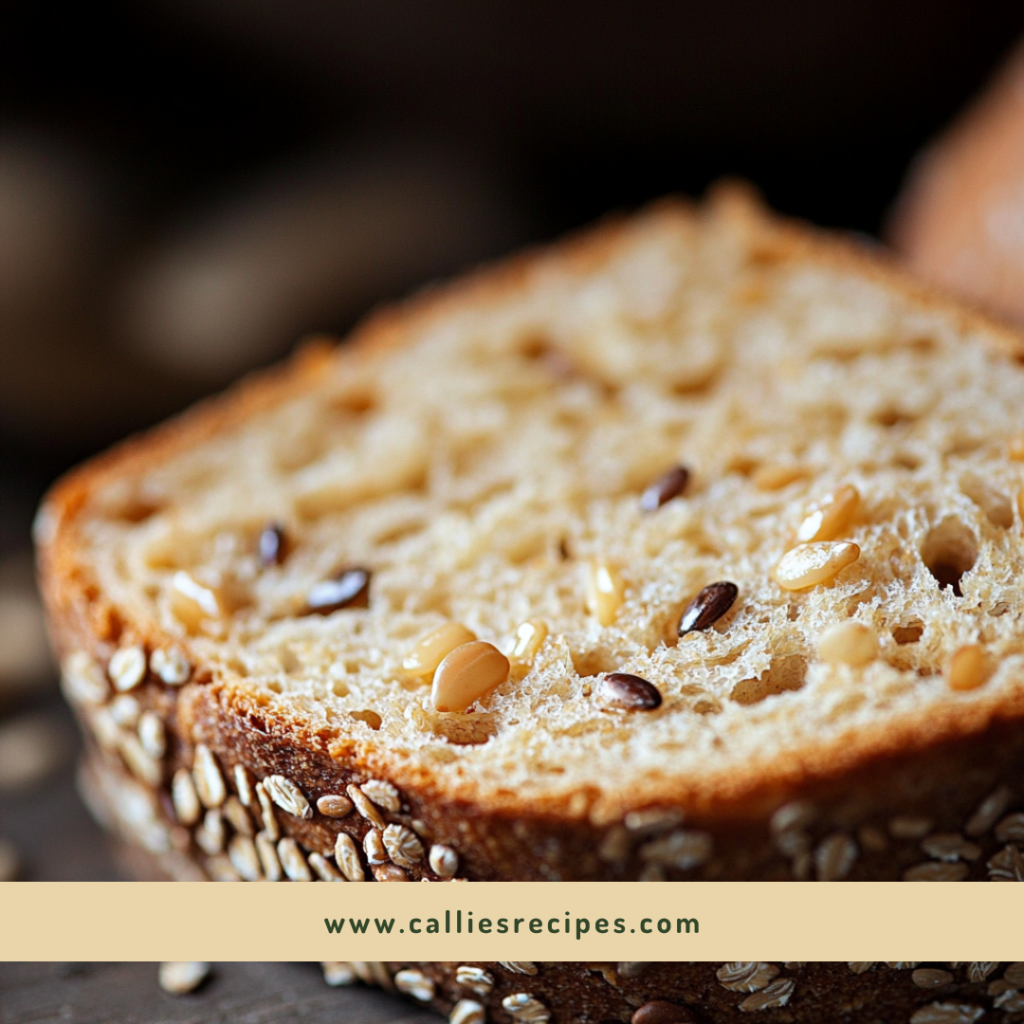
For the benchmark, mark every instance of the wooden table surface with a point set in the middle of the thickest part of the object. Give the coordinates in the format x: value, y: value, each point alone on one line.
x: 235, y: 993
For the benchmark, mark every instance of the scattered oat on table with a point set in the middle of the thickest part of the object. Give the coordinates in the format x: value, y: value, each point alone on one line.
x: 181, y: 976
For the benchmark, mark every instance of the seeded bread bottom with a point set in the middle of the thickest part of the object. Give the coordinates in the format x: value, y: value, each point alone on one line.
x: 704, y: 993
x: 955, y: 815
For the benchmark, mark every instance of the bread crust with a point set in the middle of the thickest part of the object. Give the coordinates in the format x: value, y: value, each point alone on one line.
x: 939, y: 767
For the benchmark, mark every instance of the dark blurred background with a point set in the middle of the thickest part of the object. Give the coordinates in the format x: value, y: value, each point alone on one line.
x: 188, y: 188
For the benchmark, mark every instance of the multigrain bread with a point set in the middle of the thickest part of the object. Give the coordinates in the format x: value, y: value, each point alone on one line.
x: 523, y: 992
x: 556, y: 457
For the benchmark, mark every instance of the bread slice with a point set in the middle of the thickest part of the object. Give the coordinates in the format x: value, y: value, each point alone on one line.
x: 511, y: 449
x: 672, y: 992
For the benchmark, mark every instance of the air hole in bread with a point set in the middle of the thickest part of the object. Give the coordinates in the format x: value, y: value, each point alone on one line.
x: 465, y: 730
x: 785, y: 674
x: 592, y: 663
x: 950, y: 550
x: 371, y: 718
x: 908, y: 632
x: 993, y: 503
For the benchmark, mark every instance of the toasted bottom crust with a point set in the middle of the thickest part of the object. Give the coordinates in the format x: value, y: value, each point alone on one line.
x: 174, y: 771
x: 707, y: 993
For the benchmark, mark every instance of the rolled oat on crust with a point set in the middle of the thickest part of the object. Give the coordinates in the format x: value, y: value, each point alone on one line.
x: 561, y: 554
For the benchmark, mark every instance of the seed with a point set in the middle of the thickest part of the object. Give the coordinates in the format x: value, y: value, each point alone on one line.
x: 969, y: 668
x: 444, y: 861
x: 989, y: 811
x: 1011, y: 828
x: 860, y: 966
x: 777, y: 994
x: 605, y: 591
x: 184, y: 797
x: 292, y: 860
x: 707, y: 607
x: 127, y: 668
x: 287, y: 796
x: 338, y: 972
x: 807, y: 565
x: 627, y: 692
x: 237, y: 816
x: 476, y: 979
x: 244, y: 858
x: 530, y: 635
x: 659, y: 1011
x: 243, y: 784
x: 523, y: 1007
x: 1007, y: 865
x: 210, y: 835
x: 947, y: 1013
x: 170, y: 665
x: 1014, y: 974
x: 848, y: 643
x: 383, y: 794
x: 467, y: 1011
x: 181, y: 976
x: 192, y: 601
x: 271, y: 545
x: 373, y: 847
x: 926, y: 978
x: 432, y: 649
x: 83, y: 680
x: 835, y: 856
x: 665, y: 488
x: 125, y: 710
x: 403, y: 845
x: 209, y: 781
x: 346, y: 853
x: 519, y: 966
x: 270, y: 825
x: 389, y: 873
x: 467, y: 674
x: 334, y: 805
x: 683, y: 850
x: 979, y: 970
x: 267, y: 849
x: 365, y: 807
x: 145, y: 768
x: 746, y: 976
x: 349, y: 587
x: 152, y: 735
x: 415, y: 984
x: 775, y: 477
x: 909, y: 826
x: 950, y: 846
x: 324, y: 869
x: 632, y: 968
x: 831, y: 516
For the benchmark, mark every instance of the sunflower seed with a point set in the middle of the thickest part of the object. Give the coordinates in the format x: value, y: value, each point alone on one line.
x: 270, y: 825
x: 519, y: 966
x: 835, y: 857
x: 324, y: 869
x: 145, y: 768
x: 237, y: 816
x: 208, y: 779
x: 292, y: 860
x: 682, y: 850
x: 210, y: 835
x: 125, y: 710
x: 950, y: 846
x: 632, y: 968
x: 184, y: 797
x: 364, y: 806
x: 1014, y: 974
x: 659, y: 1011
x: 83, y: 680
x: 927, y: 978
x: 936, y: 871
x: 243, y: 784
x: 947, y: 1013
x: 909, y: 826
x: 152, y: 735
x: 860, y: 966
x: 1011, y: 828
x: 346, y: 853
x: 127, y: 668
x: 389, y: 873
x: 266, y: 848
x: 244, y: 858
x: 1007, y: 865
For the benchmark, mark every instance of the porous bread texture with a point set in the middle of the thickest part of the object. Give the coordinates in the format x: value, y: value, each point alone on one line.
x: 477, y: 452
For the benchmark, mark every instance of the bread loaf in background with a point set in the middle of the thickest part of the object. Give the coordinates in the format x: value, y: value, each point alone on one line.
x: 960, y: 219
x: 670, y: 992
x: 697, y: 419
